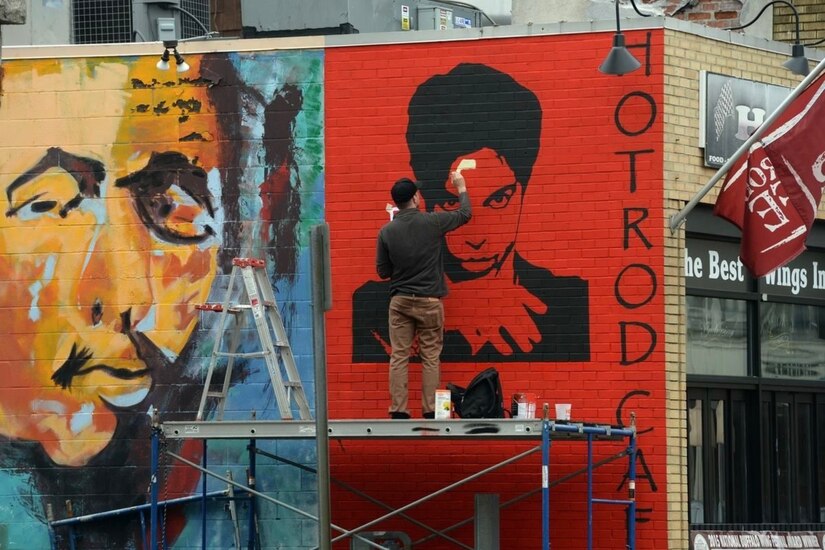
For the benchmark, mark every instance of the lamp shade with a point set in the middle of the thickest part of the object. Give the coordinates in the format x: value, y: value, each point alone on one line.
x: 798, y: 63
x: 163, y: 64
x: 619, y: 61
x: 183, y: 66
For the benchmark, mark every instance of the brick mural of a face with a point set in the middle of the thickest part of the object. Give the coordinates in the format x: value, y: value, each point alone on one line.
x: 500, y: 306
x: 107, y: 241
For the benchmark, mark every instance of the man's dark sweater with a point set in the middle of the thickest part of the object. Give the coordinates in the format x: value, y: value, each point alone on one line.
x: 410, y: 250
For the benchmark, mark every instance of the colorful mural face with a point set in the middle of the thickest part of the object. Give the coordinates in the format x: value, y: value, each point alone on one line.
x: 126, y: 191
x: 107, y: 247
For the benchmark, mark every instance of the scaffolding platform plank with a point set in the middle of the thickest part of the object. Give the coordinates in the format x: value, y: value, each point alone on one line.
x: 494, y: 428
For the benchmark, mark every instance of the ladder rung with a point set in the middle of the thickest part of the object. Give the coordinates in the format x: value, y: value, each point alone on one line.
x: 248, y: 262
x: 215, y: 394
x: 249, y: 306
x: 234, y: 308
x: 292, y: 384
x: 218, y: 308
x: 239, y: 354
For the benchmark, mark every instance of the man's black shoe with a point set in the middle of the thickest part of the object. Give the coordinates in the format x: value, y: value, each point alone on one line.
x: 430, y: 415
x: 399, y: 416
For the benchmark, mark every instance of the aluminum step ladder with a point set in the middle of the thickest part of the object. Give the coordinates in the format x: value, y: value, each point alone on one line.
x: 254, y: 295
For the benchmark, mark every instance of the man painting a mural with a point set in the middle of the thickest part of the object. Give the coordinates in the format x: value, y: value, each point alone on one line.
x: 528, y: 313
x: 409, y: 254
x: 117, y: 223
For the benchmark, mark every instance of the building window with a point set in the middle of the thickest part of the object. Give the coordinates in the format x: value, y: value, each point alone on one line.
x: 792, y: 338
x: 717, y: 336
x: 726, y: 474
x: 756, y: 386
x: 792, y: 495
x: 720, y: 465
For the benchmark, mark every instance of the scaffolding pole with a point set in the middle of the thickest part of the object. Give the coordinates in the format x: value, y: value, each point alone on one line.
x: 589, y: 432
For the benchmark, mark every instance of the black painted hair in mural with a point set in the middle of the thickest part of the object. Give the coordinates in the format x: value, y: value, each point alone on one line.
x: 280, y: 192
x: 224, y: 86
x: 472, y: 107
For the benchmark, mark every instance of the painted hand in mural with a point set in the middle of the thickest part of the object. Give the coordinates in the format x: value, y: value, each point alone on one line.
x: 501, y: 316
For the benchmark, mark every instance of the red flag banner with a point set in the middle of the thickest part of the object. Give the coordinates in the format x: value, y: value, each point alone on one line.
x: 772, y: 193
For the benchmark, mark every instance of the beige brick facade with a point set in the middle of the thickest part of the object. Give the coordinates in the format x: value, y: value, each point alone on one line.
x: 686, y: 55
x: 811, y: 21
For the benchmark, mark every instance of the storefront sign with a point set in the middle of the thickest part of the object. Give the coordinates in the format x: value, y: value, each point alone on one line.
x: 715, y: 265
x: 731, y: 109
x: 757, y: 540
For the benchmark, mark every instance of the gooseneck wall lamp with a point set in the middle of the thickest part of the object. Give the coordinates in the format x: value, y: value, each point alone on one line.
x: 798, y: 63
x: 620, y: 61
x: 163, y: 64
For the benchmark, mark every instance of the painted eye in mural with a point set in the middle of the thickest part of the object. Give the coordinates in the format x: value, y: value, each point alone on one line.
x: 58, y: 179
x: 449, y: 203
x: 172, y: 198
x: 31, y: 207
x: 501, y: 197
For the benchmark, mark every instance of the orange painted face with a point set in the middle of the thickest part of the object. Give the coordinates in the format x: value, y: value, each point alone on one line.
x: 108, y: 239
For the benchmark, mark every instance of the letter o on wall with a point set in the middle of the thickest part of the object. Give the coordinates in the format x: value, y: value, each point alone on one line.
x: 631, y: 274
x: 617, y: 115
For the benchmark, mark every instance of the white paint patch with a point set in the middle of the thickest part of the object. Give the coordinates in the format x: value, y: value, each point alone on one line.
x: 82, y: 419
x: 149, y: 321
x: 213, y: 183
x: 128, y: 399
x: 47, y: 406
x: 37, y: 286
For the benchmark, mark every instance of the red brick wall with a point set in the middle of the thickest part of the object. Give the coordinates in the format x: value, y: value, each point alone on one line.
x: 592, y: 210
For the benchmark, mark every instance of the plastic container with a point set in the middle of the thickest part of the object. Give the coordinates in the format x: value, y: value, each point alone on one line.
x: 523, y: 405
x: 443, y: 404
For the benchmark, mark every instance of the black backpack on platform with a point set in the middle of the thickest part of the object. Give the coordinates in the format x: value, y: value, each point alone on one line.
x: 482, y: 398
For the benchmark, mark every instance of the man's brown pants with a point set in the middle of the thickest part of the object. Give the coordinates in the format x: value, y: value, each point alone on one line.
x: 410, y: 316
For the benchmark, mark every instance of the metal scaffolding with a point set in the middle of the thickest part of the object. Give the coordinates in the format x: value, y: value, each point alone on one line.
x: 545, y: 429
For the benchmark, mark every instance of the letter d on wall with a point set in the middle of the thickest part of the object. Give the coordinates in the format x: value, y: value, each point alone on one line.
x: 637, y: 336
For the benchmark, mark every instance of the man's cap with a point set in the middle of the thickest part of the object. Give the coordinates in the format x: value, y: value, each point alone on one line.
x: 403, y: 190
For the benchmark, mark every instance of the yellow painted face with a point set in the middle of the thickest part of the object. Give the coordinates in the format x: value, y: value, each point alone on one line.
x: 108, y: 239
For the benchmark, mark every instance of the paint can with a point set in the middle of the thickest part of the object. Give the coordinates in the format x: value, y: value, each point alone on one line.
x: 443, y: 404
x: 523, y: 405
